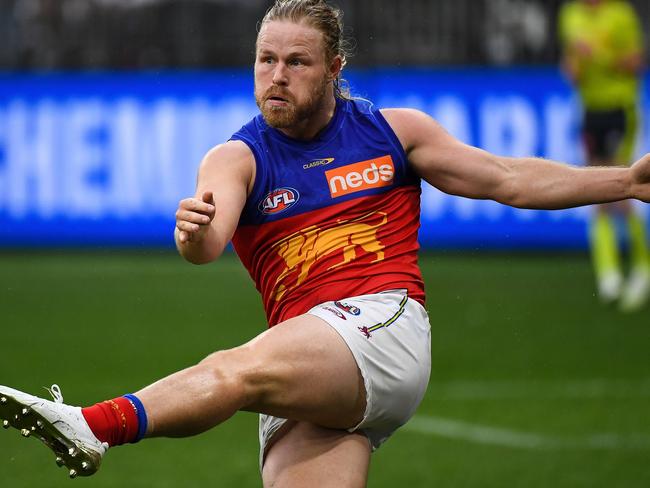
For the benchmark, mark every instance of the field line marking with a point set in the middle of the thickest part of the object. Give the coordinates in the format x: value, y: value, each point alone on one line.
x: 501, y: 389
x: 496, y: 436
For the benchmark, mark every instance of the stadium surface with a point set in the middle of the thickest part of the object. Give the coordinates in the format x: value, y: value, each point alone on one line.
x: 534, y: 383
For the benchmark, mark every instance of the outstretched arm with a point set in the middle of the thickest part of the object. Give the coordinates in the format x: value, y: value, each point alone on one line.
x: 206, y: 222
x: 535, y: 183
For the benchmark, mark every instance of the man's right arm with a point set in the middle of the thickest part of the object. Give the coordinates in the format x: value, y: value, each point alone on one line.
x: 629, y: 38
x: 523, y: 182
x: 575, y: 49
x: 206, y: 222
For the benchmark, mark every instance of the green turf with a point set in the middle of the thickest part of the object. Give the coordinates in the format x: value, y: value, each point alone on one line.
x: 521, y: 350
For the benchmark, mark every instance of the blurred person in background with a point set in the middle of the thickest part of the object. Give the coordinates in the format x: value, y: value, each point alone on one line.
x: 320, y: 195
x: 602, y: 54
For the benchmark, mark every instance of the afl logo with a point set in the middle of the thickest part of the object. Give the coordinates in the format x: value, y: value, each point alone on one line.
x: 279, y: 200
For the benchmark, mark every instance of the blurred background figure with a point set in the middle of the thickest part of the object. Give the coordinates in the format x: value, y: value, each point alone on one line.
x: 602, y: 54
x: 516, y: 30
x: 181, y: 34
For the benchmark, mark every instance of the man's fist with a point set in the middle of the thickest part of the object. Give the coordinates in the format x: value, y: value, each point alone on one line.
x: 194, y: 216
x: 641, y: 178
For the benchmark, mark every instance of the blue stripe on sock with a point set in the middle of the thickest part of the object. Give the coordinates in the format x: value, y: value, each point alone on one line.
x: 142, y: 416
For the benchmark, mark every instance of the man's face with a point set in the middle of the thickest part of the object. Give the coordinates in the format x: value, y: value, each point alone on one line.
x: 290, y: 73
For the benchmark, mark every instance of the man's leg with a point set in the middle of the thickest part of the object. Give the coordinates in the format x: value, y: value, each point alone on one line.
x: 637, y: 288
x: 605, y: 254
x: 603, y: 237
x: 300, y: 369
x: 309, y: 455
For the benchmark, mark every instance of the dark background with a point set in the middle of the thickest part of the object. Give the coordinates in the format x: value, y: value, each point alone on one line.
x: 155, y: 34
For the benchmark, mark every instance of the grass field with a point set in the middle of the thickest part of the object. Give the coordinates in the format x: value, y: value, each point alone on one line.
x: 534, y: 383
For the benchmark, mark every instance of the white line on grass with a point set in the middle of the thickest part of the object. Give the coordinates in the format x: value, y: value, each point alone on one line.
x: 484, y: 434
x: 496, y: 389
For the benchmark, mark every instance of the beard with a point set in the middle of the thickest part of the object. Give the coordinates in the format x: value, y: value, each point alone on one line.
x: 291, y: 114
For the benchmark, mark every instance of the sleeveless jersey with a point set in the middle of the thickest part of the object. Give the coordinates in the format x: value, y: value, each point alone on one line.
x: 332, y: 217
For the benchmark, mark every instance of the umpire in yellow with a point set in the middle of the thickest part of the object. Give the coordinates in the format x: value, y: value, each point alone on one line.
x: 602, y: 54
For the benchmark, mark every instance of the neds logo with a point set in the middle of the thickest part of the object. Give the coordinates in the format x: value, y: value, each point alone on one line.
x: 279, y: 200
x: 373, y: 173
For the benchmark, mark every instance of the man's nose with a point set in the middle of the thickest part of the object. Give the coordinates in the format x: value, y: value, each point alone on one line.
x: 280, y: 74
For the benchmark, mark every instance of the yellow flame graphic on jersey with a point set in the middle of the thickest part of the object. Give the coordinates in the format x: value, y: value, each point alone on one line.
x: 304, y: 248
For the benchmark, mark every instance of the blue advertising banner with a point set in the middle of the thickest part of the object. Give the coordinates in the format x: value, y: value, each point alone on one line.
x: 103, y: 159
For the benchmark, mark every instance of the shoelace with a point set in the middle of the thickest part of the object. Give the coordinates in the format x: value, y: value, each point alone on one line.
x: 55, y: 392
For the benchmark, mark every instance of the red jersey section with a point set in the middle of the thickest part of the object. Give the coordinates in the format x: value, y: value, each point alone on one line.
x: 365, y: 245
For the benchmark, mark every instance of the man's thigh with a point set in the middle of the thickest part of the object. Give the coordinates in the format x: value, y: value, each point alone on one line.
x: 306, y: 372
x: 304, y: 454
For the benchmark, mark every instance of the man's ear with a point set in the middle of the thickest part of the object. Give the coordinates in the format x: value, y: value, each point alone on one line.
x: 335, y: 67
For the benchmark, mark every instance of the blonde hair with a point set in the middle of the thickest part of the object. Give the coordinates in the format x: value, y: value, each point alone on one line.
x: 323, y: 17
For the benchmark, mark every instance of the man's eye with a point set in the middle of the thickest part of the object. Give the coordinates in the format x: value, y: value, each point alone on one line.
x: 295, y: 62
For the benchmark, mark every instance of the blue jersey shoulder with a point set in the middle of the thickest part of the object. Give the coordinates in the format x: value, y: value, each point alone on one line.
x: 356, y: 155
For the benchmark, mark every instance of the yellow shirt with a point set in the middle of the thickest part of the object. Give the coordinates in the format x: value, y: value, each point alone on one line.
x: 612, y: 31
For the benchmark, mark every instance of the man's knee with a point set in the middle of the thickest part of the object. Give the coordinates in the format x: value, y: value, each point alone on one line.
x: 240, y: 370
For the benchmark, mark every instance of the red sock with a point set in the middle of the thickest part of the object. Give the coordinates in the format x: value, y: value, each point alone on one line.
x: 113, y: 421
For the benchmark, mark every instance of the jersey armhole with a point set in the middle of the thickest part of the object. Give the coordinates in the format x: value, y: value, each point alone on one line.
x: 395, y: 142
x: 260, y: 173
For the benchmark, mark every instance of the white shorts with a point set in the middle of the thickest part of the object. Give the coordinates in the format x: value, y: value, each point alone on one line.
x: 390, y: 338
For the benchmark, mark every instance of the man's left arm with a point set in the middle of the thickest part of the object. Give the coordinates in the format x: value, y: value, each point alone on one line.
x: 629, y: 40
x: 534, y: 183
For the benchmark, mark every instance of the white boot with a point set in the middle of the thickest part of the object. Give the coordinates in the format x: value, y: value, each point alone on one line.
x: 609, y: 286
x: 637, y: 291
x: 60, y: 427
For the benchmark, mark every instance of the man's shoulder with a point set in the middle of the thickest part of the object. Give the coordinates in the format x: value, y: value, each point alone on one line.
x: 621, y: 8
x: 571, y: 7
x: 411, y: 126
x: 622, y: 19
x: 232, y: 159
x: 230, y: 152
x: 403, y: 115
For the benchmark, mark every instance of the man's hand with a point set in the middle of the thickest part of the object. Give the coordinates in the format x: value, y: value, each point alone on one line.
x: 641, y: 178
x: 582, y: 48
x: 194, y: 216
